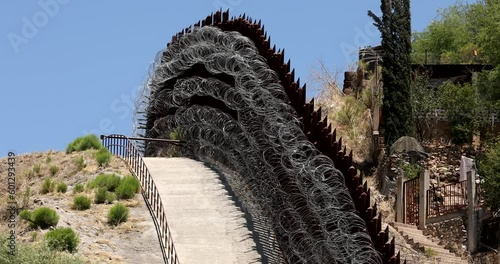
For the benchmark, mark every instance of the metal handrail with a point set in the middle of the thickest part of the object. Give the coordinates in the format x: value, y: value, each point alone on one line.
x: 123, y: 147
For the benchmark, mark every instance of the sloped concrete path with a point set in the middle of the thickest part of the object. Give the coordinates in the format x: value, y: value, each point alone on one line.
x: 206, y: 225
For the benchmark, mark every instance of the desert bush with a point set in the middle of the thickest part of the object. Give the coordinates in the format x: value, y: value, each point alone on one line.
x: 29, y: 253
x: 48, y: 159
x: 61, y: 187
x: 25, y: 215
x: 103, y: 156
x: 128, y: 187
x: 62, y: 239
x: 53, y: 170
x: 84, y: 143
x: 429, y: 253
x: 28, y: 174
x: 81, y: 203
x: 110, y: 197
x: 78, y: 188
x: 42, y: 217
x: 118, y: 214
x: 100, y: 195
x: 26, y: 197
x: 47, y: 186
x: 36, y: 168
x: 80, y: 163
x: 109, y: 181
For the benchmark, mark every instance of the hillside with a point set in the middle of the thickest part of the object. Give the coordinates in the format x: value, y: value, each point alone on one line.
x: 133, y: 241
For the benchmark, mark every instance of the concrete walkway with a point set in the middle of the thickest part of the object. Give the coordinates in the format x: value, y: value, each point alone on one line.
x: 206, y: 225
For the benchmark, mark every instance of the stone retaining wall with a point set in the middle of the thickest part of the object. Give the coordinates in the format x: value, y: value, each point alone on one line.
x: 451, y: 234
x: 486, y: 258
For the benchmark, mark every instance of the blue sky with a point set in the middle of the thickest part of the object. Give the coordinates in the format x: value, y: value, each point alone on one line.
x: 68, y: 68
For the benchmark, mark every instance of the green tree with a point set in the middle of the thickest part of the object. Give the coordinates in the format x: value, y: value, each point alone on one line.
x: 461, y: 33
x: 447, y: 39
x: 424, y: 101
x: 489, y: 168
x: 395, y: 29
x: 462, y: 107
x: 488, y: 15
x: 488, y: 85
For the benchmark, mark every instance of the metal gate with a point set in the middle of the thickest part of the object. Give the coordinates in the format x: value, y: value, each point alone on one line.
x: 411, y: 201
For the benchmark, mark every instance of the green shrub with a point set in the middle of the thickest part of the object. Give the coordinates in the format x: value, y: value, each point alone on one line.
x: 103, y: 156
x: 110, y: 197
x: 100, y: 195
x: 48, y: 159
x: 36, y: 168
x: 128, y: 187
x: 118, y: 214
x: 53, y: 170
x: 44, y: 217
x: 80, y: 163
x: 81, y: 203
x: 30, y: 253
x: 78, y: 188
x: 109, y: 181
x: 62, y: 187
x: 429, y: 253
x: 62, y: 239
x: 48, y: 186
x: 84, y: 143
x: 489, y: 169
x: 176, y: 134
x: 411, y: 171
x: 25, y: 215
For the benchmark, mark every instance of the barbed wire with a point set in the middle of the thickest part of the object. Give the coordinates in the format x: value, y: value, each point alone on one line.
x: 280, y: 173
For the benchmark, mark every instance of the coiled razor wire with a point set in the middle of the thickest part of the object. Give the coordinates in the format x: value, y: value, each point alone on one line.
x: 257, y: 135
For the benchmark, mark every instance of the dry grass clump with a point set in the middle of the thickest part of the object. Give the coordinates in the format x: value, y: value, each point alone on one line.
x: 350, y: 115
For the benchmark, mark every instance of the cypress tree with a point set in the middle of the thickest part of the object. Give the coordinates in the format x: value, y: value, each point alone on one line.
x: 395, y: 29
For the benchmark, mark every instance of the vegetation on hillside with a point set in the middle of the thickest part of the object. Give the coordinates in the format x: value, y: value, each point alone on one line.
x: 84, y: 143
x: 489, y: 169
x: 466, y: 34
x: 39, y: 252
x: 461, y: 33
x: 348, y: 114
